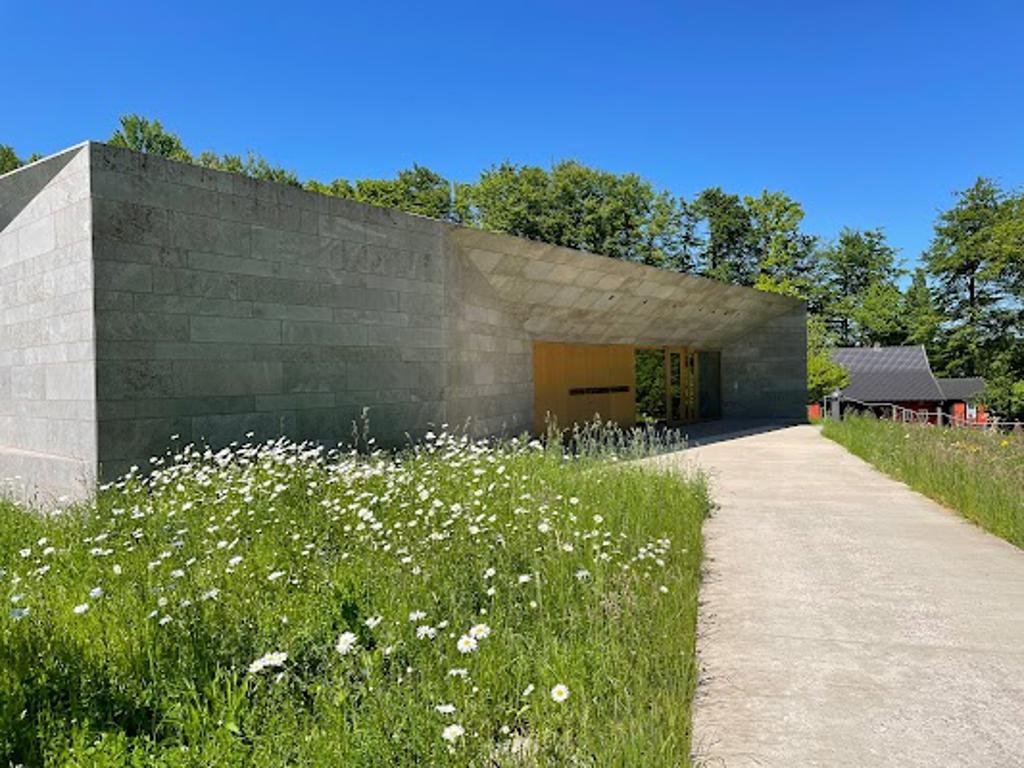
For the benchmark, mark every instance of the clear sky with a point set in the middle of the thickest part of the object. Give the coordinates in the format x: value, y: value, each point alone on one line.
x: 869, y: 113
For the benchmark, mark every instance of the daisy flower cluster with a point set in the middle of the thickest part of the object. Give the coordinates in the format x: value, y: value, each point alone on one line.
x: 315, y: 605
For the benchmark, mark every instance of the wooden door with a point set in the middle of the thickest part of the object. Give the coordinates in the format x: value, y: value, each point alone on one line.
x: 573, y: 382
x: 682, y: 386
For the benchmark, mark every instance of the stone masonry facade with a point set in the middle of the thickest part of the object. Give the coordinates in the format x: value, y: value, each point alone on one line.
x: 142, y: 299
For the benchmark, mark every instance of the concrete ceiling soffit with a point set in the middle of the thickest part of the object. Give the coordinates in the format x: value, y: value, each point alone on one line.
x: 565, y: 293
x: 19, y: 188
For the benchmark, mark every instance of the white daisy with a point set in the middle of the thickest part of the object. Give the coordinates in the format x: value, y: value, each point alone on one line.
x: 466, y: 644
x: 453, y: 732
x: 479, y: 631
x: 560, y: 693
x: 346, y: 642
x: 273, y: 659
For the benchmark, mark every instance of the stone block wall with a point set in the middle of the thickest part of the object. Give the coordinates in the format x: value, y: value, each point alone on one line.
x: 764, y: 370
x: 47, y: 385
x: 225, y: 306
x: 143, y: 299
x: 489, y: 355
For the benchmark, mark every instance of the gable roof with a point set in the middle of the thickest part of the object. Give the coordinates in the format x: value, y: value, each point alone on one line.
x: 962, y: 388
x: 888, y: 374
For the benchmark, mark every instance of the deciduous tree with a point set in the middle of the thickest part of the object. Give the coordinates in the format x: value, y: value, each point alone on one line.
x: 823, y: 375
x: 580, y: 207
x: 728, y: 250
x: 785, y: 256
x: 144, y: 135
x: 851, y: 267
x: 9, y: 161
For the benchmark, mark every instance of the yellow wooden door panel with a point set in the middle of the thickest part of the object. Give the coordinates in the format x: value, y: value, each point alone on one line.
x: 573, y: 382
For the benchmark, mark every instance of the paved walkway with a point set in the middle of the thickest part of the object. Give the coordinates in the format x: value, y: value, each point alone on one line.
x: 848, y: 621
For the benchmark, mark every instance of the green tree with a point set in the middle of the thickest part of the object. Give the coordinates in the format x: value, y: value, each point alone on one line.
x: 144, y: 135
x: 580, y: 207
x: 961, y: 258
x: 851, y: 268
x: 921, y: 319
x: 975, y: 257
x: 878, y: 317
x: 414, y: 190
x: 823, y: 375
x: 728, y: 252
x: 507, y: 198
x: 1004, y: 381
x: 9, y: 161
x: 784, y: 255
x: 252, y: 165
x: 1006, y: 265
x: 337, y: 188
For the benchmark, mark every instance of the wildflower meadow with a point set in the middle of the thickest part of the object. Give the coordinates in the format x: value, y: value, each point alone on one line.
x: 979, y: 473
x: 456, y: 603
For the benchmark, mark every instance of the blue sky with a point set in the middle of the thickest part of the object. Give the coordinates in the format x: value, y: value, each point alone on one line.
x: 869, y: 113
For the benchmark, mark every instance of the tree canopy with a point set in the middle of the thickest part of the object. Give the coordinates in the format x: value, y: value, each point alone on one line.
x: 965, y: 303
x: 618, y: 215
x: 9, y: 161
x: 976, y: 260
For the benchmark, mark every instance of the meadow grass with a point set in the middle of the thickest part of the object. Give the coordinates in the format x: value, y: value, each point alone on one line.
x: 980, y: 474
x: 459, y: 603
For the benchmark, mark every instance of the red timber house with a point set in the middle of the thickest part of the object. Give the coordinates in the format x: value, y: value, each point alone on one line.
x: 883, y: 377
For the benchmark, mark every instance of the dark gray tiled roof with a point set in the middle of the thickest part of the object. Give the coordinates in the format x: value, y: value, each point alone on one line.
x: 962, y: 389
x: 888, y: 374
x: 882, y: 358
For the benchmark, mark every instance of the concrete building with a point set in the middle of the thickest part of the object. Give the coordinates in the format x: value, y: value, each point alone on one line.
x: 142, y: 298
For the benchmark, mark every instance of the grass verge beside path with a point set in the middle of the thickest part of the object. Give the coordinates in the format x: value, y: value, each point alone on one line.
x: 979, y: 474
x: 460, y: 604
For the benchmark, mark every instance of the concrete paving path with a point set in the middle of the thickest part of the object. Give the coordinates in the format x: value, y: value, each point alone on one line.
x: 849, y: 621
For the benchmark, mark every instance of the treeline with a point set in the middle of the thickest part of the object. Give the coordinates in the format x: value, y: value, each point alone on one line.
x: 964, y: 303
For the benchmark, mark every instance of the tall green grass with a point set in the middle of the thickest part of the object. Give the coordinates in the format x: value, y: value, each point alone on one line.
x: 278, y: 605
x: 979, y: 474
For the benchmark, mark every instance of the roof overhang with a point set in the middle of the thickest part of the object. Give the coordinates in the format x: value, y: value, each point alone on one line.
x: 571, y: 295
